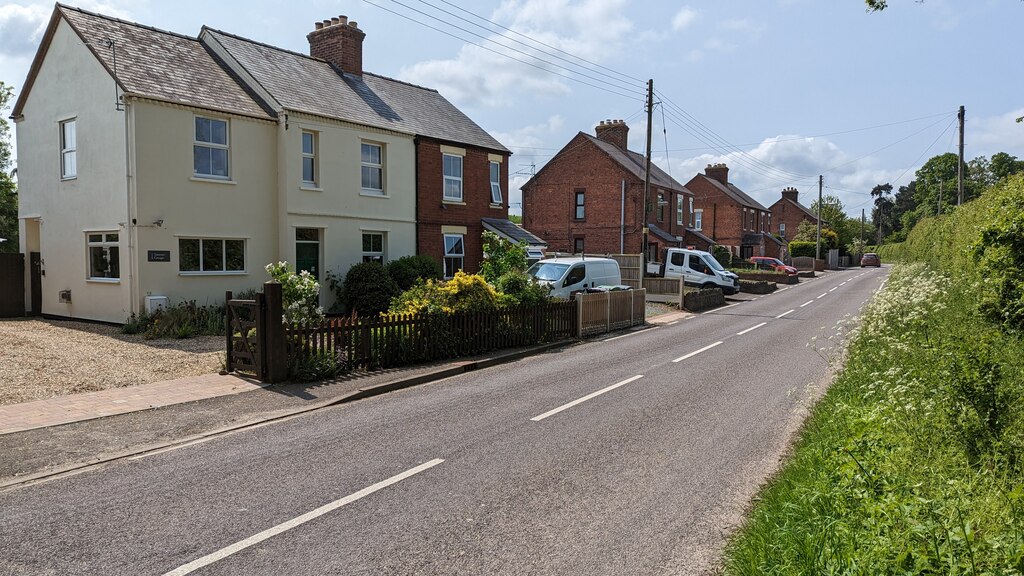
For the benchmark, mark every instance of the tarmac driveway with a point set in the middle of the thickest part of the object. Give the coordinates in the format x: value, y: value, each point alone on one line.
x: 46, y: 358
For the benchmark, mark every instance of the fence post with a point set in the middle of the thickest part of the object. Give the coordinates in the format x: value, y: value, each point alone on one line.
x: 275, y: 352
x: 228, y: 331
x: 607, y: 311
x: 579, y: 316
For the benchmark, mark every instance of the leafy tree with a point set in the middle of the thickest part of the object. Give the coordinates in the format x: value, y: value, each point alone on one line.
x: 1004, y: 165
x: 883, y: 204
x: 8, y: 189
x: 834, y: 218
x: 939, y: 174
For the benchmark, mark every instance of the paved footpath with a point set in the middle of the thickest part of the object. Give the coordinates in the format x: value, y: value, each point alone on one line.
x: 89, y: 405
x: 92, y: 405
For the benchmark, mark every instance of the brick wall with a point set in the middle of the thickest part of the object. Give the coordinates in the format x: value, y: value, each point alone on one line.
x: 340, y: 43
x: 432, y: 212
x: 724, y: 219
x: 785, y: 212
x: 549, y: 201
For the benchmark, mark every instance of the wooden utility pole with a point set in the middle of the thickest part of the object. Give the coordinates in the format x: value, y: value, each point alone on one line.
x: 862, y: 227
x: 647, y: 172
x: 817, y: 247
x: 960, y: 165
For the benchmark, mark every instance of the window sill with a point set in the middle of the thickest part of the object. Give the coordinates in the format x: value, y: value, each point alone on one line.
x: 373, y: 194
x: 498, y: 206
x: 217, y: 273
x: 103, y: 280
x: 213, y: 180
x: 68, y: 178
x: 311, y: 188
x: 453, y: 202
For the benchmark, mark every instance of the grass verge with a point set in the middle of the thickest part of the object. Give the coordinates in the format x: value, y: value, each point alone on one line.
x: 911, y: 464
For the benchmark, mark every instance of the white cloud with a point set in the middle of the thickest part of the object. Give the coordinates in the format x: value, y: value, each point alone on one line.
x: 792, y: 160
x: 590, y: 29
x: 21, y: 28
x: 991, y: 134
x: 22, y: 25
x: 683, y: 18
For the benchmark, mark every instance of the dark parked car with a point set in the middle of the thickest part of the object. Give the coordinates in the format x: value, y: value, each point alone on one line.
x: 870, y: 259
x: 772, y: 263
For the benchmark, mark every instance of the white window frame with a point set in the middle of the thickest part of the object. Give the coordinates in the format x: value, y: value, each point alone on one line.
x: 370, y: 165
x: 312, y: 156
x: 111, y: 251
x: 782, y: 229
x: 579, y: 207
x: 451, y: 181
x: 698, y: 219
x: 744, y: 219
x: 495, y: 178
x: 202, y: 271
x: 679, y: 209
x: 226, y: 146
x: 452, y: 256
x: 372, y: 255
x: 69, y: 150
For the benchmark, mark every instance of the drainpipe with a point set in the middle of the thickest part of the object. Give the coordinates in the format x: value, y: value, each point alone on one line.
x: 622, y: 219
x: 132, y: 205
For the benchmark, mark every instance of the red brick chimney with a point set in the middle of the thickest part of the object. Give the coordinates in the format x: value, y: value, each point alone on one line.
x: 790, y: 193
x: 613, y: 132
x: 718, y: 172
x: 339, y: 42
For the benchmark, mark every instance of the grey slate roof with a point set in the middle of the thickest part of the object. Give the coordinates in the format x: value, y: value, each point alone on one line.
x: 700, y: 235
x: 663, y: 235
x: 735, y: 193
x: 161, y: 65
x: 636, y: 163
x: 511, y: 231
x: 305, y: 84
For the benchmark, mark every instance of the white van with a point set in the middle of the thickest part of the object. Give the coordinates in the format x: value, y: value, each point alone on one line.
x: 566, y: 276
x: 699, y: 268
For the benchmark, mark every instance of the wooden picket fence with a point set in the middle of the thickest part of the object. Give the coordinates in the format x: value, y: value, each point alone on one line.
x: 607, y: 311
x: 399, y: 339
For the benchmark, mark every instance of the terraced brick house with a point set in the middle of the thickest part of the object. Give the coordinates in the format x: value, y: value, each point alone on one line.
x: 788, y: 213
x: 589, y: 198
x: 731, y: 217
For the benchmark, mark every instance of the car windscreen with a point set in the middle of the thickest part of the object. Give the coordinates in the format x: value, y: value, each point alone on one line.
x: 547, y: 271
x: 710, y: 260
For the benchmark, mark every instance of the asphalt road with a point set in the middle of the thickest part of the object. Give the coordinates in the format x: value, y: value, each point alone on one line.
x: 636, y: 454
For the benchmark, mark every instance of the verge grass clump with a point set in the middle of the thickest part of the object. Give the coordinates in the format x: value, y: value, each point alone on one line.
x: 910, y: 464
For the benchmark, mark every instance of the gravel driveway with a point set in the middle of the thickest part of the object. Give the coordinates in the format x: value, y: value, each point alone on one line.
x: 47, y: 358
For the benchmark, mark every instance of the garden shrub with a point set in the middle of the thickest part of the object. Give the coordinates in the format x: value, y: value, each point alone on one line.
x: 463, y: 293
x: 408, y: 270
x: 520, y: 289
x: 723, y: 255
x: 501, y: 257
x: 300, y: 294
x: 315, y: 366
x: 799, y: 248
x: 368, y: 289
x: 182, y: 320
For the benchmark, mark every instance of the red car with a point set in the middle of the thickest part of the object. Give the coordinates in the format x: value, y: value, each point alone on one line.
x: 773, y: 263
x: 870, y: 259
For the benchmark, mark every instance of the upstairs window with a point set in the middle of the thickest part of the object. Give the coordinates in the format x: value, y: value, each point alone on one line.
x: 452, y: 177
x: 68, y: 149
x: 782, y: 229
x: 679, y: 209
x: 210, y: 148
x: 309, y: 160
x: 698, y: 219
x: 580, y: 208
x: 372, y: 158
x: 661, y: 207
x: 495, y: 183
x: 104, y: 256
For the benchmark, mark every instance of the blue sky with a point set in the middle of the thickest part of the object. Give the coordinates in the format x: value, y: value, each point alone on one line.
x: 781, y: 90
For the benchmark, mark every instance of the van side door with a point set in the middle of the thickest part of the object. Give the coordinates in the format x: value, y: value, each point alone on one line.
x: 577, y: 274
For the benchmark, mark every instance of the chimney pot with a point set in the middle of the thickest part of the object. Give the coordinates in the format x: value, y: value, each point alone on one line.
x: 318, y: 25
x: 354, y: 24
x: 614, y: 132
x: 338, y: 41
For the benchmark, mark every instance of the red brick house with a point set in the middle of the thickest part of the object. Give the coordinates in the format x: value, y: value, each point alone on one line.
x: 589, y: 198
x: 731, y: 217
x: 788, y: 213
